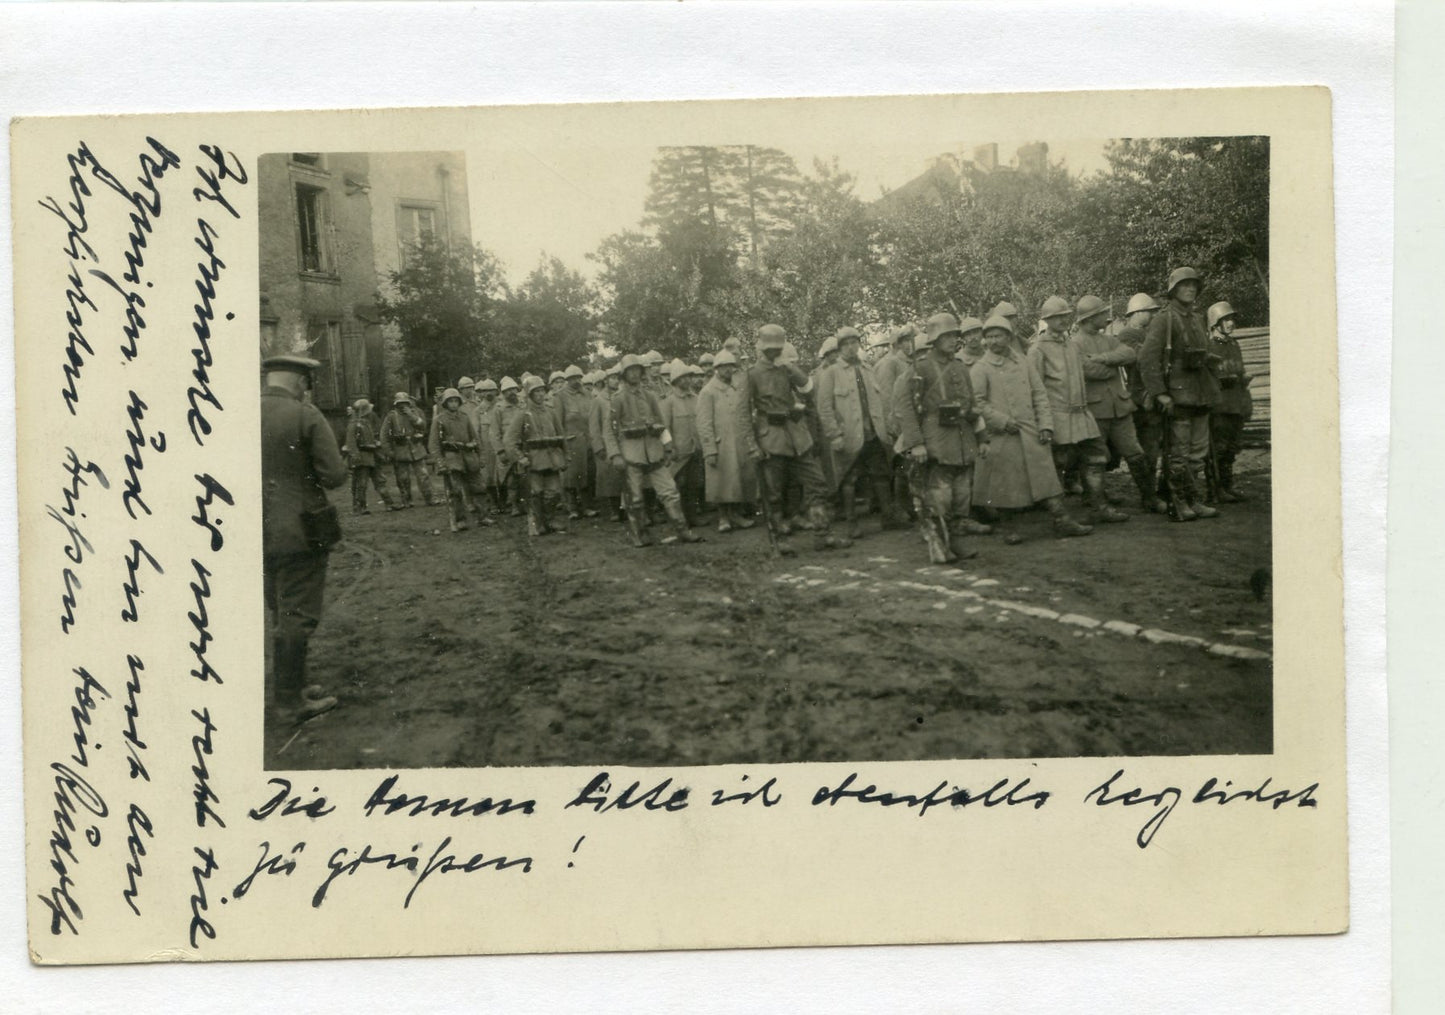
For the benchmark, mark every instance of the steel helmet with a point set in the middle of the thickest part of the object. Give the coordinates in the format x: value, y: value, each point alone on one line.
x: 676, y: 370
x: 401, y: 396
x: 361, y: 405
x: 998, y: 321
x: 508, y: 384
x: 629, y: 361
x: 1140, y: 301
x: 846, y: 333
x: 1219, y: 312
x: 905, y: 332
x: 556, y: 375
x: 725, y: 358
x: 705, y: 359
x: 451, y: 393
x: 614, y: 370
x: 1182, y: 275
x: 969, y: 325
x: 652, y: 358
x: 829, y: 346
x: 466, y: 382
x: 573, y: 371
x: 789, y: 355
x: 666, y: 369
x: 531, y: 384
x: 1089, y: 306
x: 771, y: 336
x: 940, y: 325
x: 681, y: 370
x: 1004, y: 309
x: 1054, y: 306
x: 487, y: 385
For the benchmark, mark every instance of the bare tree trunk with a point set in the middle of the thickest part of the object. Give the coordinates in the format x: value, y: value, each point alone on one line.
x: 707, y: 187
x: 752, y: 211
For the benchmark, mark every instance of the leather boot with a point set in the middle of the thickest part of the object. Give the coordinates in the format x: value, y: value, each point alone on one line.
x: 855, y: 531
x: 1200, y: 509
x: 680, y: 527
x: 1094, y: 494
x: 551, y: 511
x: 1144, y: 480
x: 1180, y: 494
x: 535, y: 525
x: 293, y: 704
x: 637, y: 526
x: 457, y: 511
x: 1064, y: 526
x: 574, y: 509
x: 1227, y: 492
x: 823, y: 537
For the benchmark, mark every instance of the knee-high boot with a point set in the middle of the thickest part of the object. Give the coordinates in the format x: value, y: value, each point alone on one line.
x: 1103, y: 511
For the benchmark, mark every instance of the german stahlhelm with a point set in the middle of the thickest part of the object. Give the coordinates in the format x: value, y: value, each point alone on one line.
x: 1219, y: 312
x: 724, y: 359
x: 628, y: 362
x: 449, y: 394
x: 488, y: 385
x: 466, y: 382
x: 1004, y: 309
x: 573, y: 371
x: 1141, y: 301
x: 829, y: 346
x: 1054, y: 306
x: 361, y: 405
x: 401, y: 398
x: 652, y: 358
x: 676, y: 370
x: 847, y: 333
x: 666, y: 369
x: 706, y: 360
x: 555, y: 376
x: 508, y: 384
x: 615, y: 370
x: 1182, y: 275
x: 900, y: 334
x: 1089, y: 306
x: 771, y: 336
x: 1000, y: 322
x: 939, y: 325
x: 969, y: 325
x: 532, y: 384
x: 789, y: 355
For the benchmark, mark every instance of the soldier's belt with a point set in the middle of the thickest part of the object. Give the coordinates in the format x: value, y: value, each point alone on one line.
x: 401, y: 439
x: 634, y: 431
x: 453, y: 446
x: 777, y: 418
x: 543, y: 442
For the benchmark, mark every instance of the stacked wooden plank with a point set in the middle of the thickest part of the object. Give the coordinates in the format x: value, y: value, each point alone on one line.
x: 1254, y: 344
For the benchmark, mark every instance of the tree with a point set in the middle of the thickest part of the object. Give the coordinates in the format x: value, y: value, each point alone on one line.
x: 443, y: 302
x: 545, y: 325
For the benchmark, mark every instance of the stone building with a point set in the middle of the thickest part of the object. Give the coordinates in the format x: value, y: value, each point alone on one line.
x: 332, y: 226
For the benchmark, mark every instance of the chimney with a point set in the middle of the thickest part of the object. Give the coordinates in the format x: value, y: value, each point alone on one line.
x: 985, y: 156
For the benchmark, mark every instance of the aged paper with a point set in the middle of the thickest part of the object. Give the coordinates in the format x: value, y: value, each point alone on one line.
x: 158, y: 825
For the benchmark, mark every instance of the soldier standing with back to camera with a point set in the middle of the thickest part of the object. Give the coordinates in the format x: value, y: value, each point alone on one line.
x: 299, y: 462
x: 1179, y: 380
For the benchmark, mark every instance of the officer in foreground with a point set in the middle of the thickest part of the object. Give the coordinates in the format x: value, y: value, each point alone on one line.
x: 299, y: 462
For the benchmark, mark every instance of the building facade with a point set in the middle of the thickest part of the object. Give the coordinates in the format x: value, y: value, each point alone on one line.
x: 333, y: 225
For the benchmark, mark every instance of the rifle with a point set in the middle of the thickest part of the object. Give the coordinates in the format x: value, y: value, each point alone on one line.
x: 1166, y: 438
x: 932, y: 523
x: 765, y: 500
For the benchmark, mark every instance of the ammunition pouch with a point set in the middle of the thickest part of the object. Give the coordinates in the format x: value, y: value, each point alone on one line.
x: 1229, y: 382
x: 635, y: 432
x: 452, y: 446
x: 777, y: 418
x: 538, y: 443
x: 950, y: 414
x: 1194, y: 359
x: 796, y: 413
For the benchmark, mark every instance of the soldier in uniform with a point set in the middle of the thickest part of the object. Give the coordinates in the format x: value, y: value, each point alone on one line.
x: 938, y: 433
x: 1232, y: 411
x: 679, y: 415
x: 400, y: 432
x: 481, y: 415
x: 299, y: 462
x: 1077, y: 445
x: 893, y: 365
x: 775, y: 433
x: 364, y: 439
x: 508, y: 480
x: 1106, y: 385
x: 725, y: 469
x: 536, y: 442
x: 611, y: 482
x: 574, y: 406
x: 1016, y: 467
x: 1178, y: 378
x: 638, y: 442
x: 1148, y: 422
x: 453, y: 441
x: 851, y: 408
x: 1019, y: 343
x: 704, y: 363
x: 970, y: 347
x: 652, y: 379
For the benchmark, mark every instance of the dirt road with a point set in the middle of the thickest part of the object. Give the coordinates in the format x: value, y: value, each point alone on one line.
x: 486, y: 648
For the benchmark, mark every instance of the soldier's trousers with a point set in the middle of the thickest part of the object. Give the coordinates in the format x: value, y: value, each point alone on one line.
x: 691, y: 485
x: 462, y: 488
x: 1188, y: 437
x: 1068, y: 457
x: 948, y: 490
x: 1149, y: 428
x: 360, y: 476
x: 656, y: 477
x: 780, y: 470
x: 1120, y: 437
x: 543, y: 483
x: 293, y: 586
x: 402, y: 470
x: 1226, y: 431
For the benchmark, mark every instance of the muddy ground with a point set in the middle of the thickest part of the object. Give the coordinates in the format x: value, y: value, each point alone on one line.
x: 487, y: 648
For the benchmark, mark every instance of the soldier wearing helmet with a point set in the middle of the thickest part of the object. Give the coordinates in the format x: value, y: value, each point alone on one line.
x: 574, y: 406
x: 1016, y: 467
x: 970, y: 347
x: 1106, y: 361
x: 852, y: 411
x: 1179, y: 378
x: 534, y: 440
x: 1076, y: 443
x: 1232, y: 411
x: 363, y: 437
x: 679, y: 415
x: 610, y: 482
x: 938, y: 417
x: 507, y: 477
x: 404, y: 433
x: 729, y: 482
x: 1019, y: 343
x: 639, y: 443
x: 453, y: 441
x: 299, y: 462
x: 775, y: 433
x: 1148, y: 421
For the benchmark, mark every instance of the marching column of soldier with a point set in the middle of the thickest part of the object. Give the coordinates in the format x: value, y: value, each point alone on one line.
x: 949, y: 423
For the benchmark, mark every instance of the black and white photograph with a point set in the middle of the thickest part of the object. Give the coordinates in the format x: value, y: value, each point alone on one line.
x: 733, y: 453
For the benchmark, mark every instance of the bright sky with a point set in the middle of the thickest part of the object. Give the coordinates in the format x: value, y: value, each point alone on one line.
x: 567, y: 202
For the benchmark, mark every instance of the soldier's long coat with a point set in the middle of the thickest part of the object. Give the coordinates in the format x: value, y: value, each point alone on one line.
x: 1059, y: 367
x: 679, y: 415
x: 363, y: 437
x: 840, y: 411
x: 454, y: 426
x: 1017, y: 470
x: 299, y: 456
x: 610, y: 481
x: 574, y: 408
x: 732, y: 480
x: 1180, y: 332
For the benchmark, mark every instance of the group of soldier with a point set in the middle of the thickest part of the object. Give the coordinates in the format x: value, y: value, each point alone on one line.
x: 948, y: 421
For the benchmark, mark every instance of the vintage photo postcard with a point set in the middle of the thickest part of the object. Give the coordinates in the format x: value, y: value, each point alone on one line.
x: 679, y: 525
